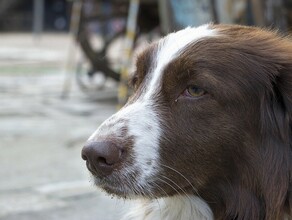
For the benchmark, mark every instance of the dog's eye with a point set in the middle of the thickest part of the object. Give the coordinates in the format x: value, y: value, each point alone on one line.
x: 194, y: 91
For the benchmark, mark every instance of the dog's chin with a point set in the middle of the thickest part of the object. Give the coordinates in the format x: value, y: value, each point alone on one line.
x: 116, y: 192
x: 124, y: 190
x: 115, y: 188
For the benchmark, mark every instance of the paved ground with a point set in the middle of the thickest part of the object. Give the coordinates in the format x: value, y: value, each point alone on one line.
x: 41, y: 135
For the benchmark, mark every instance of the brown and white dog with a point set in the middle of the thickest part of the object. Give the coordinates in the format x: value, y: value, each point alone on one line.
x: 207, y: 133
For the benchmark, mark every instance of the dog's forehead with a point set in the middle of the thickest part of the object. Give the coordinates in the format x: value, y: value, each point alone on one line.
x: 172, y: 44
x: 169, y: 48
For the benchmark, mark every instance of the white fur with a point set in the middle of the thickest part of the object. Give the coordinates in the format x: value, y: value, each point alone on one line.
x: 169, y: 48
x: 144, y: 126
x: 171, y: 208
x: 143, y: 114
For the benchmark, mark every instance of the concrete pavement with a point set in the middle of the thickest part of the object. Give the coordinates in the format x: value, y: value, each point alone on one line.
x: 42, y: 175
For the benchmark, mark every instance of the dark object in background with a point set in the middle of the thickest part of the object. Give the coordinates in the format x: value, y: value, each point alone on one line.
x: 57, y: 15
x: 18, y: 15
x: 101, y: 14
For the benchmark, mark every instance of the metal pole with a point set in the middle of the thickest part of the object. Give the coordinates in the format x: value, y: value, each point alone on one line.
x: 164, y: 16
x: 38, y: 17
x: 129, y: 43
x: 74, y: 28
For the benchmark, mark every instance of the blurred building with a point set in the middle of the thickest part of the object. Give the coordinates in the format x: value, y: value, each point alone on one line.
x: 17, y: 15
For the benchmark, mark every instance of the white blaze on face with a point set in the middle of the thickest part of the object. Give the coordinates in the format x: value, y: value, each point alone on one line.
x: 169, y: 48
x: 141, y: 118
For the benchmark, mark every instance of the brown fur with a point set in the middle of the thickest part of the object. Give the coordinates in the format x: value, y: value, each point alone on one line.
x: 233, y: 144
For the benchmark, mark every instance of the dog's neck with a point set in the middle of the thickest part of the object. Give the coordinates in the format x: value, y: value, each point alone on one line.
x: 171, y: 208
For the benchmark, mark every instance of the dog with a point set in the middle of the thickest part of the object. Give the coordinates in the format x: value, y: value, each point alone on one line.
x: 207, y: 132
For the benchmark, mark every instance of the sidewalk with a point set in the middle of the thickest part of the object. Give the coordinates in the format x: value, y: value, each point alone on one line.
x: 42, y: 173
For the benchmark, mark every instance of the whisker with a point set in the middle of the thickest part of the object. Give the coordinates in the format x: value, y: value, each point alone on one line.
x: 156, y: 185
x: 169, y: 185
x: 189, y: 182
x: 180, y: 188
x: 158, y: 200
x: 189, y: 198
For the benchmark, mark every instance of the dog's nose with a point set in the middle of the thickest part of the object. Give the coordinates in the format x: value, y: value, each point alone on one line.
x: 101, y: 157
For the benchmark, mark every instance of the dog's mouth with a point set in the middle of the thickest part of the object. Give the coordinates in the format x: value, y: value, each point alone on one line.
x: 110, y: 188
x: 132, y: 189
x: 117, y: 186
x: 118, y: 174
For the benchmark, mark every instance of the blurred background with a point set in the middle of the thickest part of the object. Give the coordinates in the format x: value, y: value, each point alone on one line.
x: 64, y: 67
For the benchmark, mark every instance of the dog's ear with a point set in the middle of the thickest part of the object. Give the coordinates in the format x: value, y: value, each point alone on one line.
x: 284, y: 85
x: 276, y: 132
x: 277, y: 102
x: 281, y: 103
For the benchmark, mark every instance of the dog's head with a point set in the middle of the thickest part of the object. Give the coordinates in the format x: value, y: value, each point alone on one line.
x: 211, y: 112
